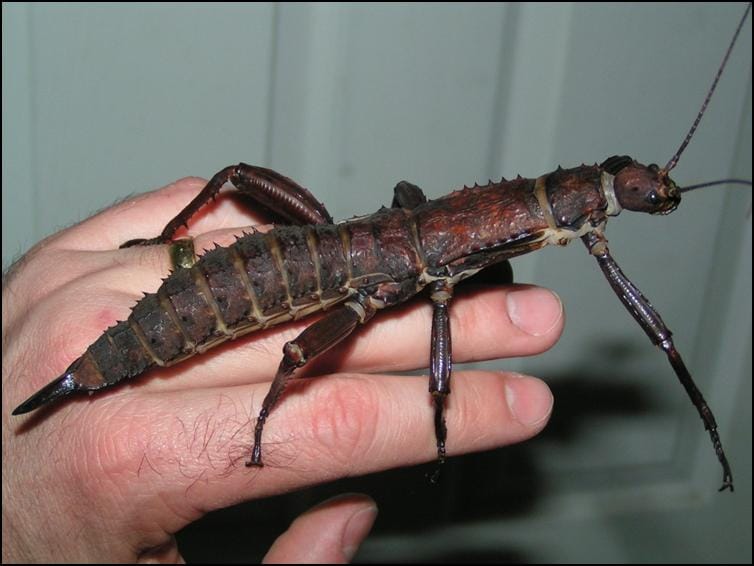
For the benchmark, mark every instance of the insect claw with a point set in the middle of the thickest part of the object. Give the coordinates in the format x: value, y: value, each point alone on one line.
x: 61, y: 387
x: 727, y: 482
x: 132, y: 243
x: 156, y: 241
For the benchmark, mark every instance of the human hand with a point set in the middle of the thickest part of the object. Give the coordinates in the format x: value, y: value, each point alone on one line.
x: 111, y: 477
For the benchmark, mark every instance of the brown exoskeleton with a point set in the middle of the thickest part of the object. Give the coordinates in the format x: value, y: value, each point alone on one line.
x: 357, y: 267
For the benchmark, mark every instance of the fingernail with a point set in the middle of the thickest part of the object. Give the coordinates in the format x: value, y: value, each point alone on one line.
x: 529, y: 399
x: 357, y: 529
x: 534, y: 310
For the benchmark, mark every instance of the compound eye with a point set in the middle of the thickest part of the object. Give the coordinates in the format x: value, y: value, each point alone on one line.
x: 653, y: 198
x: 654, y: 167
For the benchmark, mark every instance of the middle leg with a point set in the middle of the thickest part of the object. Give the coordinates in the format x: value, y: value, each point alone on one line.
x: 440, y: 363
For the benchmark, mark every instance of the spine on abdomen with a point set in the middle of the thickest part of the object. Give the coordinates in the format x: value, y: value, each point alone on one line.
x: 259, y: 281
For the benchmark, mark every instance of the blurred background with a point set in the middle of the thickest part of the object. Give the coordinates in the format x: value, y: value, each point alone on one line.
x: 104, y: 101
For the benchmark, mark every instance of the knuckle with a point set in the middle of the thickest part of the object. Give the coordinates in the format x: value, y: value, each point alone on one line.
x: 182, y: 188
x: 109, y: 449
x: 344, y: 417
x: 189, y: 183
x: 473, y: 315
x: 116, y: 441
x: 34, y: 276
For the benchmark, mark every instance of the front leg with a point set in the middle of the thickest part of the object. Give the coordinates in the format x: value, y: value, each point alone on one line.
x: 649, y: 319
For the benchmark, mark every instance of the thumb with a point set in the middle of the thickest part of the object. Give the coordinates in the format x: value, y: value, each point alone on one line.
x: 330, y: 532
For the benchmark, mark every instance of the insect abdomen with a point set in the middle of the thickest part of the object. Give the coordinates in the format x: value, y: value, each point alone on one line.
x: 259, y: 281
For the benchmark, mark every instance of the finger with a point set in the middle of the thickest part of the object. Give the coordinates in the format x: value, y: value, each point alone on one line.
x: 154, y: 262
x: 190, y: 447
x: 481, y: 321
x: 329, y: 533
x: 398, y: 340
x: 82, y: 251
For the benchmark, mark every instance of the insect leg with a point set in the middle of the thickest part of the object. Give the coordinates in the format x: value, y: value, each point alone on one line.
x: 440, y: 363
x: 407, y: 195
x: 314, y: 340
x: 270, y: 190
x: 649, y: 319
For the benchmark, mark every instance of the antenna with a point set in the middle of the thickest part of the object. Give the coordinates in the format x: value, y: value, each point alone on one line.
x: 674, y: 160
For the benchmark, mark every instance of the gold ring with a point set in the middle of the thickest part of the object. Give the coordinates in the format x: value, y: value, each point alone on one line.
x: 182, y: 253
